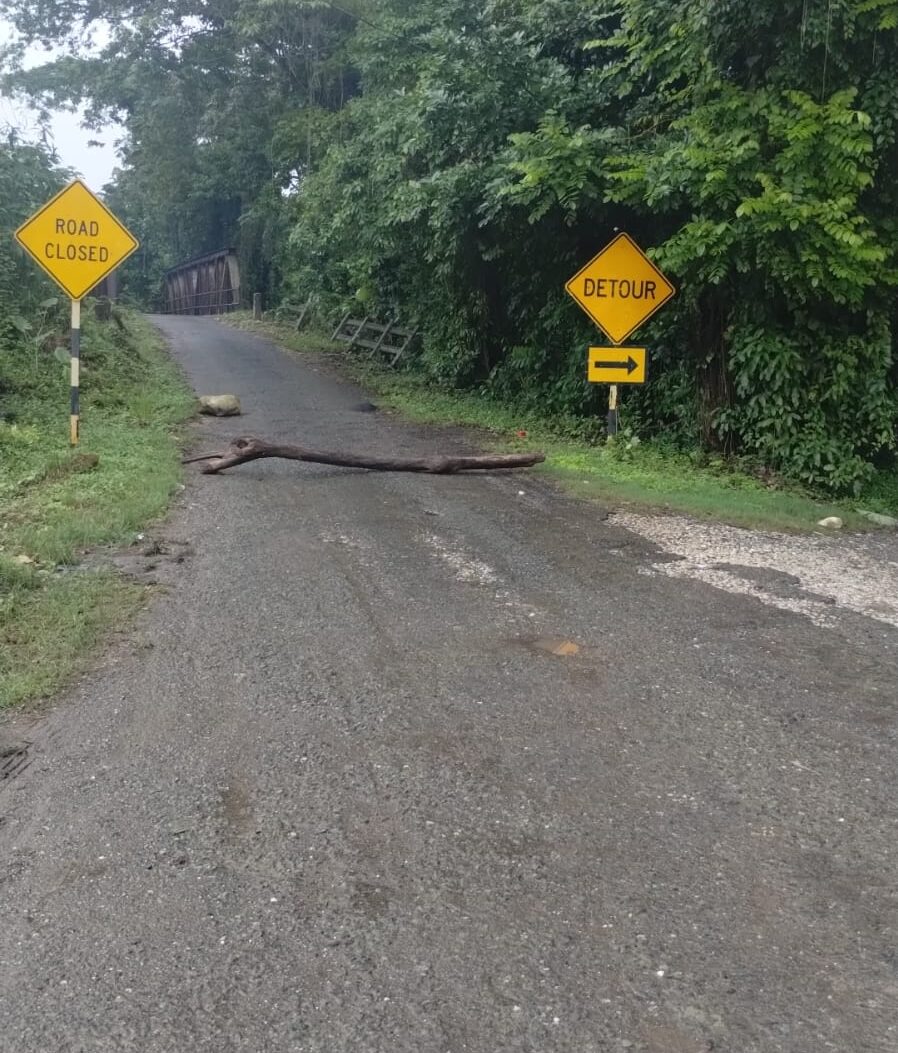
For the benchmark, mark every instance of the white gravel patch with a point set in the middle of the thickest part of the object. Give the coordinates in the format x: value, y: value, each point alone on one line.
x: 466, y: 568
x: 470, y: 570
x: 857, y: 573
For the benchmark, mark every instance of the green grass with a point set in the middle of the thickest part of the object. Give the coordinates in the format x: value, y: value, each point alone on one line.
x: 622, y: 474
x: 49, y: 629
x: 647, y: 476
x: 57, y: 504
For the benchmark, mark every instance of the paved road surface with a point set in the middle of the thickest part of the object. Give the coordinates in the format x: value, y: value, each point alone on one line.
x: 336, y: 794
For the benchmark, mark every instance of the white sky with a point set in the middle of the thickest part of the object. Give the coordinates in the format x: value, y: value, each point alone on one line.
x: 93, y: 163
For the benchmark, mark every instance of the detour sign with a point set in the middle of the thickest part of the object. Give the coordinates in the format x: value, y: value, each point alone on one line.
x: 620, y: 288
x: 76, y: 239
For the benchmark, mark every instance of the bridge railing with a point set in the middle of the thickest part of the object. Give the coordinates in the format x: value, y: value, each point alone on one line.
x: 213, y: 302
x: 209, y: 284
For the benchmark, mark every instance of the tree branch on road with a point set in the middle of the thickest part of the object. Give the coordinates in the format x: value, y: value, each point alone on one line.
x: 250, y: 448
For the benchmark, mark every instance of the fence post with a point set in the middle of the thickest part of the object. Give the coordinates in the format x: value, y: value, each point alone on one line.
x: 257, y: 307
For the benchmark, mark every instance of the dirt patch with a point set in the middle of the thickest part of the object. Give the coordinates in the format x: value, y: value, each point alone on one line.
x: 14, y: 759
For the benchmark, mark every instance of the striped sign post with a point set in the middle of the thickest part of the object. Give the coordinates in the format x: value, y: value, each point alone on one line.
x: 78, y: 242
x: 76, y: 373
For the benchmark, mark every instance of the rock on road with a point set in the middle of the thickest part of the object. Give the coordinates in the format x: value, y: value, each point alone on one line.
x: 336, y: 793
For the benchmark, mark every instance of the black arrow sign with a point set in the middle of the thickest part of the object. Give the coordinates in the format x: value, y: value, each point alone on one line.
x: 629, y: 365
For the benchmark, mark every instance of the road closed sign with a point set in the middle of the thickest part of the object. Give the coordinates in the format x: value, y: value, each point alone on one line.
x: 76, y: 239
x: 620, y: 288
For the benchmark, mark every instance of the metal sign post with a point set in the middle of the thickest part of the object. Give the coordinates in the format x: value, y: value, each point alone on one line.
x: 78, y: 242
x: 619, y: 289
x: 76, y: 373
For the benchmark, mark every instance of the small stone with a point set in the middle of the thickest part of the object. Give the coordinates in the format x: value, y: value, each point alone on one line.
x: 879, y: 519
x: 220, y: 405
x: 831, y: 523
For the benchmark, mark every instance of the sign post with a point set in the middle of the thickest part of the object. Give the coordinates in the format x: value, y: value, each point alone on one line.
x: 612, y: 410
x: 78, y: 242
x: 619, y: 289
x: 75, y: 411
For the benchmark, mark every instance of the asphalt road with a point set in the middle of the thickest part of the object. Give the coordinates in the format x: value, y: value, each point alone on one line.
x: 336, y: 793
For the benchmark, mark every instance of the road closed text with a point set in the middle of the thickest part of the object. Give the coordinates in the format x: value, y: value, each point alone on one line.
x: 64, y: 249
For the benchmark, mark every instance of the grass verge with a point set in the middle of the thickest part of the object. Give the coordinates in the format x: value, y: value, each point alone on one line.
x: 58, y: 503
x: 645, y: 475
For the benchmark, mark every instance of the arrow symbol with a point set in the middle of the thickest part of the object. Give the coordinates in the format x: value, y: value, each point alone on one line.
x: 629, y: 365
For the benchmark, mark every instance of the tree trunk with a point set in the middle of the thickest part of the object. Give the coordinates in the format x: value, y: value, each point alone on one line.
x: 713, y: 371
x: 250, y: 448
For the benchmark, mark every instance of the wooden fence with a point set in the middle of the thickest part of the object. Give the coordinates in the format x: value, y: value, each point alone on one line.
x: 386, y: 339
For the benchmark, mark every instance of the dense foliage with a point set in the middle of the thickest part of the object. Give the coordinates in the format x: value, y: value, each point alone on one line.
x: 29, y: 313
x: 28, y: 177
x: 454, y: 162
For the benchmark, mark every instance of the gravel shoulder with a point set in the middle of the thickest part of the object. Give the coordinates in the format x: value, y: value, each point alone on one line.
x: 815, y: 575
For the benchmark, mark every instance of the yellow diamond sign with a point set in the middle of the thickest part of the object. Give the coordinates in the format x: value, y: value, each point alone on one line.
x: 76, y: 239
x: 620, y: 288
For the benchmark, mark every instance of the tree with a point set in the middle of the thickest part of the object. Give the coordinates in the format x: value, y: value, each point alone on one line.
x: 455, y: 162
x: 208, y: 94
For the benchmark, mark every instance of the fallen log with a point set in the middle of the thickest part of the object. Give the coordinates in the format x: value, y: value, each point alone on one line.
x: 250, y: 448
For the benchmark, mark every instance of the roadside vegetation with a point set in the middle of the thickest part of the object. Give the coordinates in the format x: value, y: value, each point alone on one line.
x: 452, y: 163
x: 57, y: 502
x: 627, y: 472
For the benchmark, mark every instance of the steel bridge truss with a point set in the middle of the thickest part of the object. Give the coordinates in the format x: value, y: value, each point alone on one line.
x: 209, y: 284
